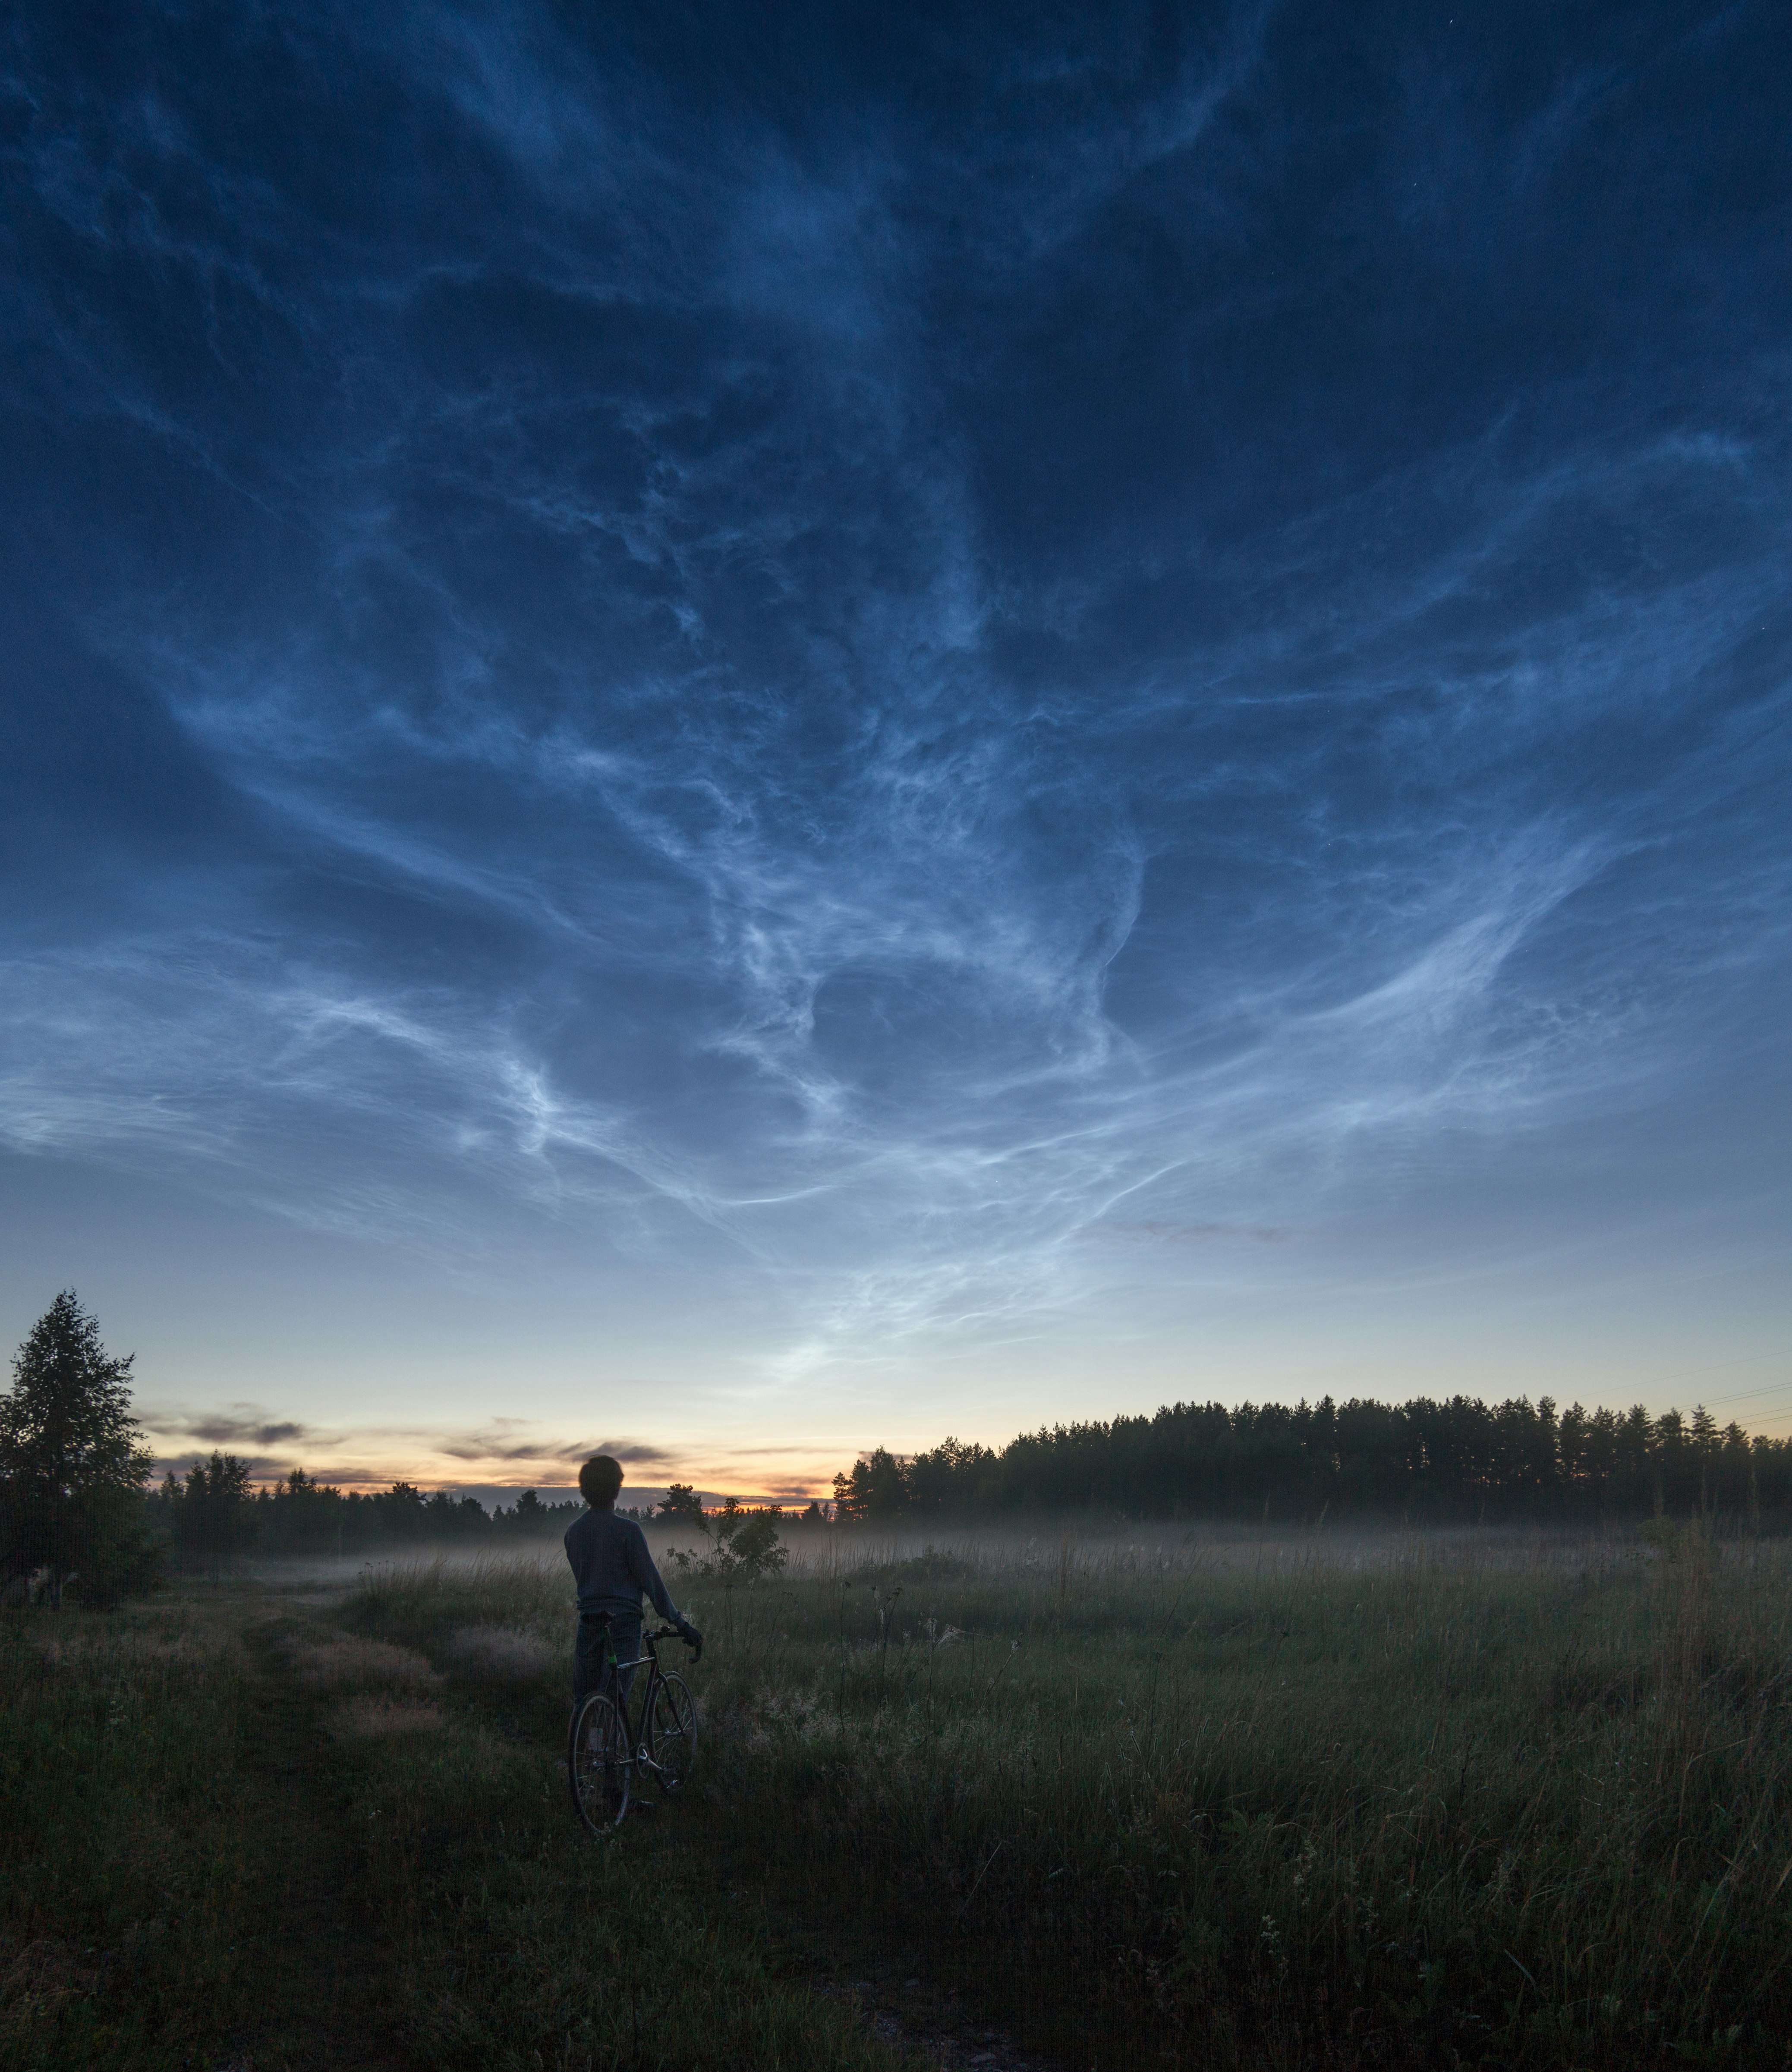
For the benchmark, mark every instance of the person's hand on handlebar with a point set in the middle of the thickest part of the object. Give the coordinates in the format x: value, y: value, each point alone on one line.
x: 692, y: 1638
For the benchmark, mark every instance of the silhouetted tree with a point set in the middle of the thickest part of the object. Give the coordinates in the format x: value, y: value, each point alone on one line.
x: 681, y: 1501
x: 875, y: 1488
x: 1426, y: 1459
x: 530, y: 1517
x: 212, y: 1511
x: 72, y: 1469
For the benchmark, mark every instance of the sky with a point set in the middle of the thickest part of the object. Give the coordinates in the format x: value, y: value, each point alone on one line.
x: 738, y: 733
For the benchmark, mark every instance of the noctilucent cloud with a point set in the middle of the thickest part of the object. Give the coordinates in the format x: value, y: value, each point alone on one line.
x: 745, y: 732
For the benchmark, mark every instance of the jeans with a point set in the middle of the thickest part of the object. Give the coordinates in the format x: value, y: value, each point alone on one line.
x: 598, y: 1634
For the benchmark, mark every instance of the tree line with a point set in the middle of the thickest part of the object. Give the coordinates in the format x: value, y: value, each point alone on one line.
x: 1456, y: 1460
x: 77, y: 1508
x: 216, y: 1513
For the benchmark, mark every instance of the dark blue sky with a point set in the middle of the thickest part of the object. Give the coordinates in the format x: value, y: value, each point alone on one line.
x: 751, y: 730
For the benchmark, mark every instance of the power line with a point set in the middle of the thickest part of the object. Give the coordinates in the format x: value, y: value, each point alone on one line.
x: 1723, y: 1367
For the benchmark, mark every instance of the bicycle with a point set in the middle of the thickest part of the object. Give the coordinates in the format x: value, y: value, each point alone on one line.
x: 602, y: 1752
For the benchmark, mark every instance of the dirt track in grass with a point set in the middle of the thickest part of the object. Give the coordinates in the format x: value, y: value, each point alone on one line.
x: 374, y: 1867
x: 328, y: 1988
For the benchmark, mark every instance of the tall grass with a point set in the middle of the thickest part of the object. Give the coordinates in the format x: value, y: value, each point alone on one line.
x: 1436, y: 1801
x: 235, y: 1836
x: 524, y: 1943
x: 128, y: 1929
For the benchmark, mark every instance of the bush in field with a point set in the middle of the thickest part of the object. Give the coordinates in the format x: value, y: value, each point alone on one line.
x: 744, y: 1546
x: 72, y: 1466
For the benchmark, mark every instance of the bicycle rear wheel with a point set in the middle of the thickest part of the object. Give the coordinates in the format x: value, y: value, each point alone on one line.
x: 597, y: 1766
x: 671, y: 1733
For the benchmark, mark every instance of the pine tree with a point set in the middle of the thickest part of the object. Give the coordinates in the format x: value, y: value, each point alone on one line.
x: 71, y: 1463
x: 681, y: 1501
x: 216, y: 1516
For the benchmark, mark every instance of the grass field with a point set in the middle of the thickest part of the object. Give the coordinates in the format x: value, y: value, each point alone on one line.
x: 236, y: 1836
x: 1184, y: 1801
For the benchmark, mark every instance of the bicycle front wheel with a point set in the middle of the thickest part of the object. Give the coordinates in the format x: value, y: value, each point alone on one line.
x: 598, y: 1766
x: 671, y: 1733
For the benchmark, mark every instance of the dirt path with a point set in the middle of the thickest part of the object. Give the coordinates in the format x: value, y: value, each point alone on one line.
x: 325, y: 1963
x: 903, y: 2006
x: 910, y: 2015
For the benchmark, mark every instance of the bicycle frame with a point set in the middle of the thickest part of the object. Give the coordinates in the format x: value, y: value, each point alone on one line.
x: 606, y: 1761
x: 640, y: 1755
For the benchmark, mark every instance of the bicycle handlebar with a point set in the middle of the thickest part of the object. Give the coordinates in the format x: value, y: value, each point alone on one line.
x: 673, y: 1633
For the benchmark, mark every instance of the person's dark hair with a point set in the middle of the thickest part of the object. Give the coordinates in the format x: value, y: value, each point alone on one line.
x: 599, y: 1480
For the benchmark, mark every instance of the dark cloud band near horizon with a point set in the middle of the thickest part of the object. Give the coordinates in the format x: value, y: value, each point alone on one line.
x: 738, y: 726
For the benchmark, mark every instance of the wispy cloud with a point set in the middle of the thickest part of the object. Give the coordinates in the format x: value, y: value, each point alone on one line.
x: 505, y: 1446
x: 504, y: 1449
x: 885, y: 695
x: 242, y: 1424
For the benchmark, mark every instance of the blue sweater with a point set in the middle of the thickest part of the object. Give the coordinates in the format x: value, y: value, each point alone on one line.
x: 612, y: 1566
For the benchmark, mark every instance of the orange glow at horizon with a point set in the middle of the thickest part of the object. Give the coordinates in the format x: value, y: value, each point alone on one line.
x: 341, y: 1462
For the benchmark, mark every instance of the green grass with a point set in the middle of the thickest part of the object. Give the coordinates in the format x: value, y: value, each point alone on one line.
x: 1441, y: 1809
x: 527, y: 1944
x: 235, y: 1837
x: 124, y: 1937
x: 1178, y: 1804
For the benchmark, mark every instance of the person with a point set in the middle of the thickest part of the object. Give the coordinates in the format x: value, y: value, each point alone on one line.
x: 612, y: 1566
